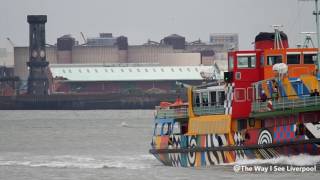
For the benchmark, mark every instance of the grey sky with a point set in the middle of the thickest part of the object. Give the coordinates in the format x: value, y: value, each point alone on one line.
x: 154, y: 19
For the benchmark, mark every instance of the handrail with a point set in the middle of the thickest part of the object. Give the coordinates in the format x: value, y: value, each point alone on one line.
x: 285, y: 104
x: 182, y: 112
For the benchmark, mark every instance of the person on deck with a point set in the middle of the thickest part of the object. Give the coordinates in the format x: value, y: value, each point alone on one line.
x: 312, y: 93
x: 275, y: 94
x: 316, y: 92
x: 263, y: 96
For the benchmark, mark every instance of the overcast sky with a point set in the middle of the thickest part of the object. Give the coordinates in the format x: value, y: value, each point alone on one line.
x: 141, y: 20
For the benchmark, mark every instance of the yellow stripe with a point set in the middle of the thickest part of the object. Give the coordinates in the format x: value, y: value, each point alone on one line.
x: 217, y: 124
x: 290, y: 92
x: 310, y: 82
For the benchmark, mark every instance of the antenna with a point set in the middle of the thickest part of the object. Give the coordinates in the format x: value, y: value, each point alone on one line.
x: 277, y: 37
x: 308, y: 39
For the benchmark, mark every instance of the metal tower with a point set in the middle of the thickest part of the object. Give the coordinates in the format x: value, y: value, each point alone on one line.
x: 308, y: 39
x: 277, y: 37
x: 38, y: 82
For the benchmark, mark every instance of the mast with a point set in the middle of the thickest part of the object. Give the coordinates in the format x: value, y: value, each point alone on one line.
x: 316, y: 13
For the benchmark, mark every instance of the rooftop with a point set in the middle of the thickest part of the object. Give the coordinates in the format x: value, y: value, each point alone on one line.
x: 126, y: 73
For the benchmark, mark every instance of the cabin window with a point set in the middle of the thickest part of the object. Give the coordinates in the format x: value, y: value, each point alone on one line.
x: 309, y: 58
x: 240, y: 94
x: 197, y: 99
x: 242, y: 124
x: 293, y: 59
x: 205, y: 98
x: 213, y: 98
x: 176, y: 128
x: 271, y: 60
x: 230, y: 63
x: 222, y: 97
x: 246, y: 62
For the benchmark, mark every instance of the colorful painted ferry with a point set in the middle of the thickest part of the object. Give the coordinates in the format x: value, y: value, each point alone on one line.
x: 266, y: 106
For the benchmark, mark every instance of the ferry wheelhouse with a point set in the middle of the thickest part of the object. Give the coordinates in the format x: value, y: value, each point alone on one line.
x: 266, y: 106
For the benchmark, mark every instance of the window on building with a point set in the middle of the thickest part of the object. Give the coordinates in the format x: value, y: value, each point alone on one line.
x: 70, y: 71
x: 80, y: 71
x: 271, y: 60
x: 172, y: 69
x: 96, y: 70
x: 111, y: 70
x: 154, y: 70
x: 146, y: 70
x: 293, y: 58
x: 106, y: 70
x: 309, y: 58
x: 122, y: 70
x: 64, y: 71
x: 138, y: 70
x: 88, y: 70
x: 180, y: 69
x: 130, y: 70
x: 162, y: 70
x: 196, y: 69
x: 246, y: 61
x: 188, y: 69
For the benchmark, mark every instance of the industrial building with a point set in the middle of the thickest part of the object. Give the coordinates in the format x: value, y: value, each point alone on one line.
x: 106, y: 49
x: 227, y: 40
x: 123, y: 79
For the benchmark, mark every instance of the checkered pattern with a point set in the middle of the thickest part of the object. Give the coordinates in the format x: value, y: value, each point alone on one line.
x: 284, y: 133
x: 229, y: 97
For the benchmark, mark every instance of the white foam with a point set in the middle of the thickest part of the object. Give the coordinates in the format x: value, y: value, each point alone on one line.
x: 67, y: 161
x: 298, y: 160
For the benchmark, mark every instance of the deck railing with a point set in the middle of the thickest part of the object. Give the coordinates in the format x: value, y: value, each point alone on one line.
x: 183, y: 112
x: 171, y: 113
x: 207, y: 110
x: 283, y: 104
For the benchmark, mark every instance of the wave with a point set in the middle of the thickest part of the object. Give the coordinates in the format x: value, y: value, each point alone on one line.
x: 67, y: 161
x: 297, y: 160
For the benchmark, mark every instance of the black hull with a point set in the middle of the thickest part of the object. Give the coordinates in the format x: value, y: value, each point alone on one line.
x: 196, y: 157
x: 83, y: 101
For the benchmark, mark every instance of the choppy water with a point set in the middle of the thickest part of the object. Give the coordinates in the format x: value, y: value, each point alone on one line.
x: 102, y: 145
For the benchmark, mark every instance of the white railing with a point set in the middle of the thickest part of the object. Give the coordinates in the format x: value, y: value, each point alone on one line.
x: 208, y: 110
x: 285, y: 104
x: 183, y: 112
x: 171, y: 113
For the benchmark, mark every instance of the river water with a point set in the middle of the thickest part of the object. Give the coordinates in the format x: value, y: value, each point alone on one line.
x: 103, y: 144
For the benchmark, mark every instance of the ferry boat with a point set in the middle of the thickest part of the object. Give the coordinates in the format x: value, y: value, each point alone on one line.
x: 266, y: 106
